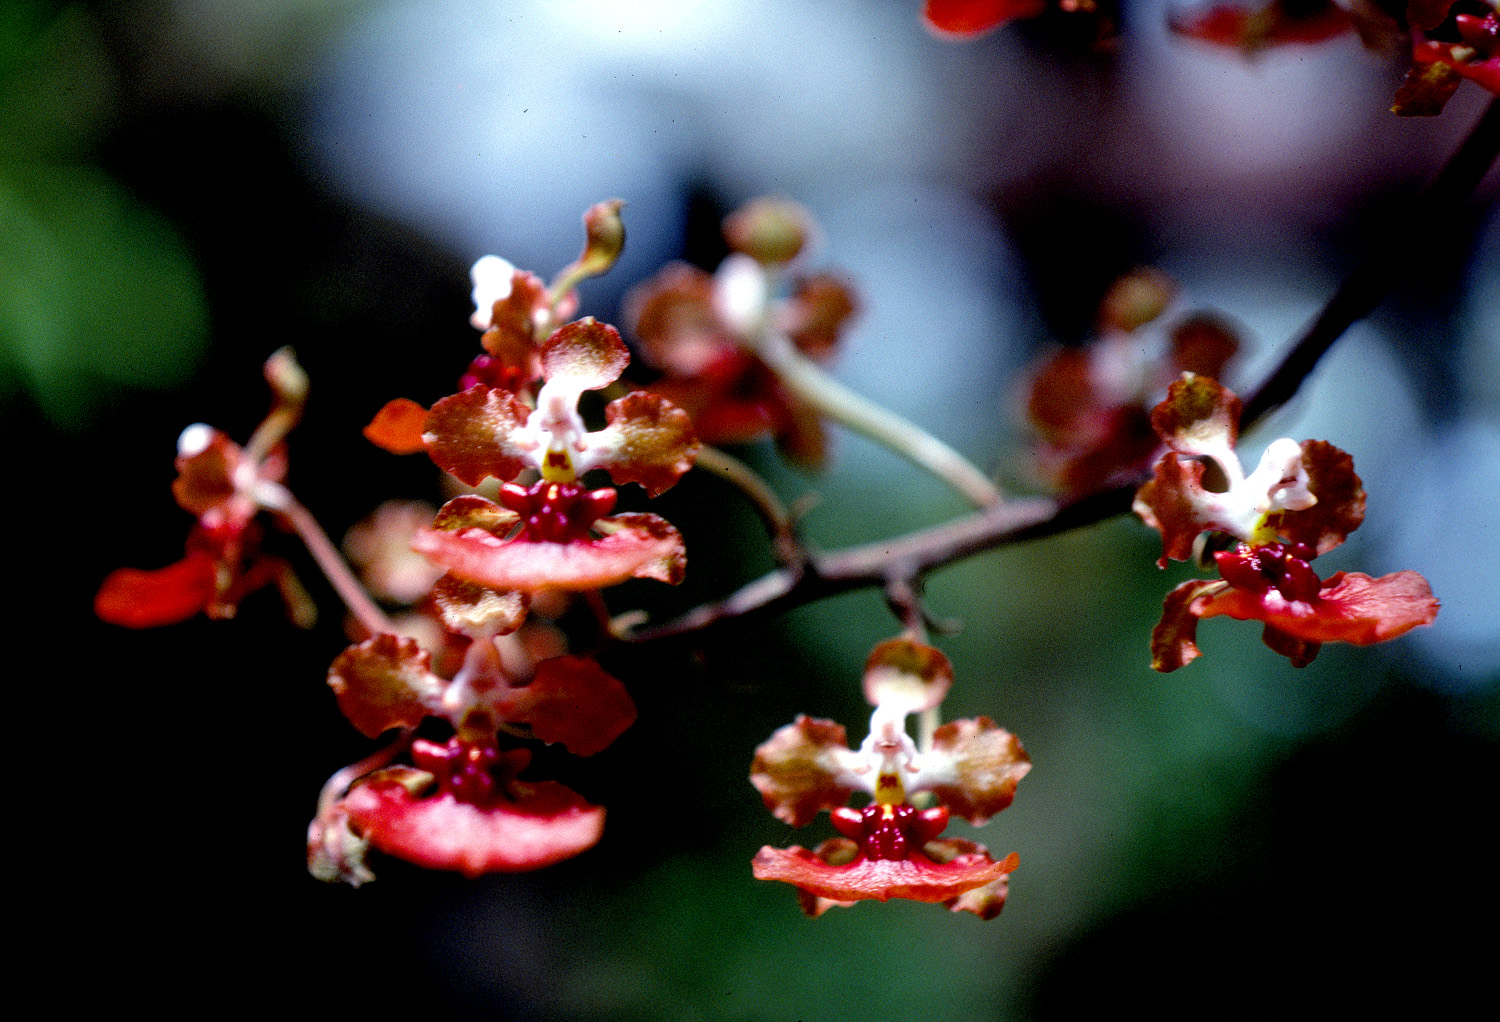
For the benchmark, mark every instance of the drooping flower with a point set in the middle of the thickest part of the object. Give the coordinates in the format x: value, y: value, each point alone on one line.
x: 702, y: 330
x: 1089, y: 406
x: 1301, y: 501
x: 225, y: 487
x: 891, y: 848
x: 463, y: 806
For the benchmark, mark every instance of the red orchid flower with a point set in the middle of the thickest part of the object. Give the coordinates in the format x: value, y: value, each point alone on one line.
x: 225, y: 487
x: 1300, y: 502
x: 701, y: 330
x: 463, y: 806
x: 557, y: 533
x: 890, y: 848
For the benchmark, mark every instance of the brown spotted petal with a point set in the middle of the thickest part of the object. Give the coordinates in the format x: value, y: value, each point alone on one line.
x: 474, y: 435
x: 633, y: 546
x: 476, y: 610
x: 589, y: 354
x: 819, y: 310
x: 975, y: 768
x: 1173, y: 503
x: 906, y: 677
x: 1199, y: 417
x: 1341, y: 500
x: 1174, y: 640
x: 802, y: 769
x: 386, y: 682
x: 648, y: 440
x: 672, y: 316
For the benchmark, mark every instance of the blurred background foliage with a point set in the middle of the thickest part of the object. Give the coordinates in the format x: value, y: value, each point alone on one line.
x: 185, y: 186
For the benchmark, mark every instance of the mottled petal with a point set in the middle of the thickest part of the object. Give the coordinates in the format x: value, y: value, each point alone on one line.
x: 770, y: 229
x: 476, y: 610
x: 1173, y: 502
x: 476, y: 434
x: 1174, y: 640
x: 973, y: 768
x: 905, y: 677
x: 589, y: 354
x: 1340, y: 506
x: 987, y: 901
x: 1199, y: 418
x: 801, y: 769
x: 386, y: 682
x: 547, y: 823
x: 648, y: 440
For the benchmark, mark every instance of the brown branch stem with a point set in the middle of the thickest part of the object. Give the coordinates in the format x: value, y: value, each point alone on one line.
x: 907, y: 558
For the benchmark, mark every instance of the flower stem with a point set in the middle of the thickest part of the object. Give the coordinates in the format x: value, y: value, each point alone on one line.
x: 279, y: 499
x: 773, y: 512
x: 831, y: 398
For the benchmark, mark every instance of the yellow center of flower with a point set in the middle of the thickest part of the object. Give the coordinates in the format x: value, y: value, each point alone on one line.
x: 557, y: 465
x: 889, y: 791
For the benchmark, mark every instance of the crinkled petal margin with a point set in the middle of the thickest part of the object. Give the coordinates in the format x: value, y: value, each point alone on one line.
x: 636, y: 545
x: 549, y: 824
x: 1352, y: 607
x: 915, y: 879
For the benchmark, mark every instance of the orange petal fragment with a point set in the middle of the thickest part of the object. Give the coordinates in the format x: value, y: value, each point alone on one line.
x: 398, y: 427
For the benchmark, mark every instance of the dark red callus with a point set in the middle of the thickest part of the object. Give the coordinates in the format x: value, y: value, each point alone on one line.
x: 1257, y: 568
x: 890, y: 831
x: 494, y: 372
x: 463, y: 769
x: 557, y: 512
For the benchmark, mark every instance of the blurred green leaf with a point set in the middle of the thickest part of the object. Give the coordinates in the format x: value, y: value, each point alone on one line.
x: 96, y: 290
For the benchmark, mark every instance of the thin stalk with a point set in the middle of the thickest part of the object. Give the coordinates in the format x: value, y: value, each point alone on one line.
x: 832, y: 399
x: 364, y: 609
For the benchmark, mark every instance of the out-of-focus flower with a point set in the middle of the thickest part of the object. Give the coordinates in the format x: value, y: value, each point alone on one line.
x: 701, y: 330
x: 1089, y: 406
x: 969, y: 18
x: 224, y: 486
